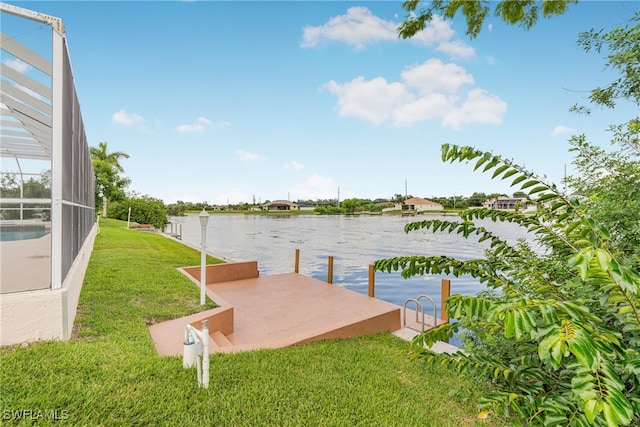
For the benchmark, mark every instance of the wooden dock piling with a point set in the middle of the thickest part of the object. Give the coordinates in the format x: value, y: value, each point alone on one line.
x: 372, y: 281
x: 297, y: 265
x: 444, y: 294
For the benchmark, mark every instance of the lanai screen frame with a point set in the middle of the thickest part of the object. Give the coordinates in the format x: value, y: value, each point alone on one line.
x: 53, y: 129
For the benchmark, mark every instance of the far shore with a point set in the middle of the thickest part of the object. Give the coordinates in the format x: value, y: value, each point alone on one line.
x: 310, y: 212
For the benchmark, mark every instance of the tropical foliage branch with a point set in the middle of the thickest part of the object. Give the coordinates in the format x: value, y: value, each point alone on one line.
x: 524, y: 13
x: 558, y: 330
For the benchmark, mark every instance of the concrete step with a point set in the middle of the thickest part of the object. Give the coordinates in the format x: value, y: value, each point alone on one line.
x: 408, y: 334
x: 234, y: 339
x: 220, y: 340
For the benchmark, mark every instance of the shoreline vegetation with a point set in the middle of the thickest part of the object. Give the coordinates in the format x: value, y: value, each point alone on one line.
x: 109, y: 374
x: 311, y: 212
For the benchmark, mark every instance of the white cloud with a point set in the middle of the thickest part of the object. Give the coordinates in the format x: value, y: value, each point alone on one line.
x: 373, y: 100
x: 223, y: 125
x: 435, y: 76
x: 315, y: 187
x: 232, y: 195
x: 456, y: 49
x: 479, y: 107
x: 562, y: 130
x: 198, y: 126
x: 428, y: 107
x: 435, y: 32
x: 123, y: 118
x: 18, y: 65
x: 357, y: 28
x: 429, y: 91
x: 295, y: 165
x: 246, y: 156
x: 439, y: 34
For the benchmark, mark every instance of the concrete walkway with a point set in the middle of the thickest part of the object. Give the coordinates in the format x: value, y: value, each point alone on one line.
x: 25, y: 265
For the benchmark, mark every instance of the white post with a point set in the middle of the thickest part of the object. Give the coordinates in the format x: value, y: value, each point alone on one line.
x: 205, y: 354
x: 57, y: 161
x: 204, y: 218
x: 203, y: 266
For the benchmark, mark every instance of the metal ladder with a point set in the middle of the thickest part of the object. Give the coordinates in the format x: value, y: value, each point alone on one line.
x: 419, y: 309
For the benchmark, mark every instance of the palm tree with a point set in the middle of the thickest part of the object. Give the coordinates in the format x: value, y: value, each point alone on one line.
x: 101, y: 154
x: 107, y: 169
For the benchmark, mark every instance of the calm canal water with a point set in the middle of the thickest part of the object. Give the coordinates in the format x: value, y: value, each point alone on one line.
x: 353, y: 241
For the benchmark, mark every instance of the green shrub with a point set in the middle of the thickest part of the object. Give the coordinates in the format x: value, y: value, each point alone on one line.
x: 144, y: 210
x: 330, y: 210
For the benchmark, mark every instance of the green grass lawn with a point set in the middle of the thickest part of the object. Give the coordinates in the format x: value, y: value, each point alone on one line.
x: 110, y: 375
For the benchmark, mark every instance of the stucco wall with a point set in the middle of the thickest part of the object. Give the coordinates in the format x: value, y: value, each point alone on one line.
x: 30, y: 316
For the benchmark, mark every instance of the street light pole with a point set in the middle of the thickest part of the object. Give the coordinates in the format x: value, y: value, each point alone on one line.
x: 204, y: 218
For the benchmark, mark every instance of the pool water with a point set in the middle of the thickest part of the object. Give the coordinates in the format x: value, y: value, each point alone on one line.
x: 15, y: 233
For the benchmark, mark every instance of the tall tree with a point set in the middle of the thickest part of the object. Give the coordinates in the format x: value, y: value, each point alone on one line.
x: 110, y: 183
x: 477, y: 199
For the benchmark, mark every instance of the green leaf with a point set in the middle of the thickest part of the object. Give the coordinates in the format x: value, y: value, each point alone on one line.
x: 610, y: 415
x: 499, y: 170
x: 581, y: 262
x: 555, y: 419
x: 529, y: 184
x: 582, y: 347
x: 510, y: 173
x: 518, y: 180
x: 591, y: 409
x: 538, y: 189
x: 546, y: 196
x: 603, y: 259
x: 544, y: 347
x: 509, y: 324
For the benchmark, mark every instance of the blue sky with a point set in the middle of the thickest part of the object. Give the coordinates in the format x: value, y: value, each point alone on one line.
x: 236, y: 101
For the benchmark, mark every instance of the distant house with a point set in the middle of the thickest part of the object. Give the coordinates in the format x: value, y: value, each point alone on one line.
x: 306, y: 207
x: 417, y: 204
x: 281, y: 205
x: 503, y: 203
x: 384, y: 205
